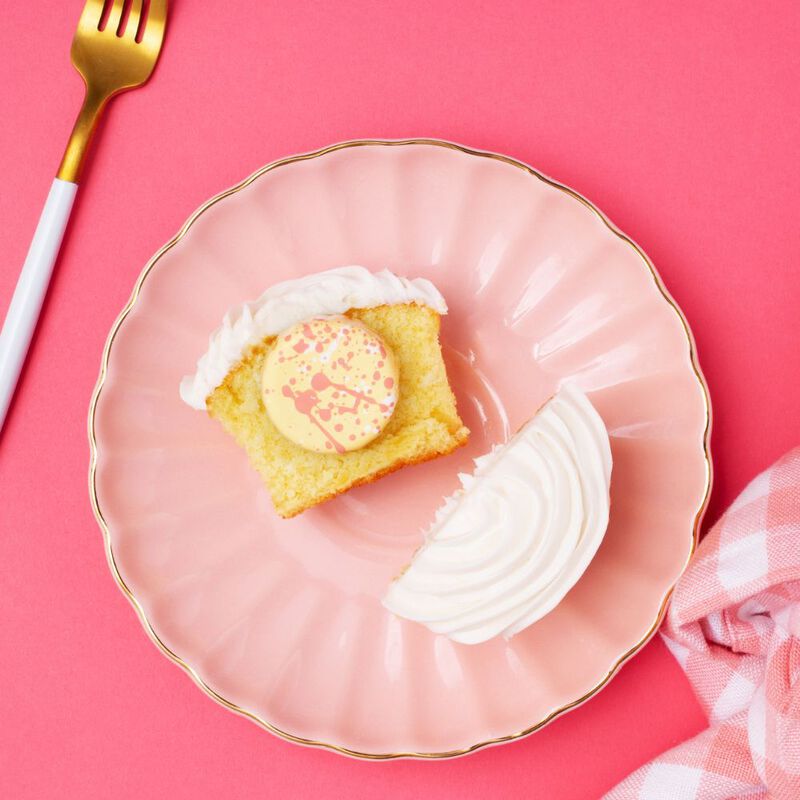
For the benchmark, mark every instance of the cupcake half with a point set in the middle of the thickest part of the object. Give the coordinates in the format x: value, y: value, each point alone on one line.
x: 331, y: 381
x: 505, y: 549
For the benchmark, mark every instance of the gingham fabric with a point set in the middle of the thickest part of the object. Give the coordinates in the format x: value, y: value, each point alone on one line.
x: 734, y: 627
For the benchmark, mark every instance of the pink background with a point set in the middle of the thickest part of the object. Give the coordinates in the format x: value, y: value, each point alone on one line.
x: 682, y: 126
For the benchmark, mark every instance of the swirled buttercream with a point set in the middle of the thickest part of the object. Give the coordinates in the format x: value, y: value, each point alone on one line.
x: 504, y: 550
x: 333, y: 291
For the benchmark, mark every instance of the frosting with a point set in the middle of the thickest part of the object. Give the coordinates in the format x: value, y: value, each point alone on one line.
x: 330, y: 384
x: 285, y: 304
x: 504, y: 550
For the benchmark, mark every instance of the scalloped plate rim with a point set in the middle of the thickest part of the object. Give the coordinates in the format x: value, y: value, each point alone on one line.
x: 93, y: 447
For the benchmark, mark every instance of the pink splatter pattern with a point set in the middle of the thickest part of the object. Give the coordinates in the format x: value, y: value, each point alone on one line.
x: 330, y: 384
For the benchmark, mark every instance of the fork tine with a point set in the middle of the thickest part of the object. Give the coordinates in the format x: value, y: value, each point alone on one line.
x: 91, y: 14
x: 155, y: 24
x: 114, y: 15
x: 132, y: 25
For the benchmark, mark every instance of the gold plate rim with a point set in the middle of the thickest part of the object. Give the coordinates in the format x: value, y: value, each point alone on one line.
x: 174, y: 657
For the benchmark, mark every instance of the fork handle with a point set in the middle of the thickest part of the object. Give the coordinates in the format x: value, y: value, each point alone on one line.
x: 31, y: 287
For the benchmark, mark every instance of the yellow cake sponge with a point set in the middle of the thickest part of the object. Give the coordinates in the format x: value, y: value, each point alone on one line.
x: 425, y: 424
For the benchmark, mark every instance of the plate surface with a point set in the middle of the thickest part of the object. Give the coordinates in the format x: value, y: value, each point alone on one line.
x: 281, y: 620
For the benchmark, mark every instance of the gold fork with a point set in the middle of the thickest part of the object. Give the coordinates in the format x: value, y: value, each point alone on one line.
x: 115, y: 48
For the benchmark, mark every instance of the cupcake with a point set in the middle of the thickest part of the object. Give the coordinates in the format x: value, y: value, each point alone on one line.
x: 506, y: 548
x: 331, y: 381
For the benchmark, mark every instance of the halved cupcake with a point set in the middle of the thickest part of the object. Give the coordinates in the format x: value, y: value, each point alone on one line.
x: 505, y: 549
x: 331, y: 381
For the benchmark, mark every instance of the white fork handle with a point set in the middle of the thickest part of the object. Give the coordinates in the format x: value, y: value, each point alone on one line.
x: 31, y: 287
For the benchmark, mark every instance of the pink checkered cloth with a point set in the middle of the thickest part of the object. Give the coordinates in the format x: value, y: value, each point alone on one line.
x: 734, y: 627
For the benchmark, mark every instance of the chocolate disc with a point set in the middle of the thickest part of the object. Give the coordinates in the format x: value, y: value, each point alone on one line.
x: 330, y: 384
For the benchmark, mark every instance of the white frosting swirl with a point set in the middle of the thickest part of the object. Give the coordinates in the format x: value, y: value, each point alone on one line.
x: 333, y: 291
x: 504, y: 550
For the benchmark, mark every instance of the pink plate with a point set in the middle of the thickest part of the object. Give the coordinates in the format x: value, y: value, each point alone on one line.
x: 281, y: 620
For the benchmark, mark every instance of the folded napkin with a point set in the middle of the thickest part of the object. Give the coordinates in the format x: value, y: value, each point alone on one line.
x: 734, y: 627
